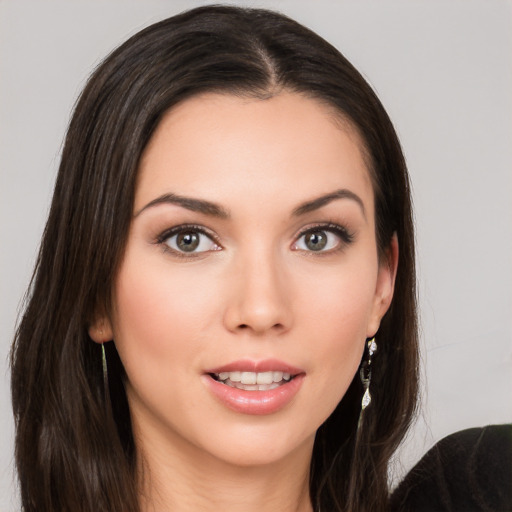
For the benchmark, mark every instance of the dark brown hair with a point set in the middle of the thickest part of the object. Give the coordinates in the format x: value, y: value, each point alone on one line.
x: 74, y: 451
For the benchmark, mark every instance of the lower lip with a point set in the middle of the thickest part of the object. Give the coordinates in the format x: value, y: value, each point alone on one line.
x: 255, y: 402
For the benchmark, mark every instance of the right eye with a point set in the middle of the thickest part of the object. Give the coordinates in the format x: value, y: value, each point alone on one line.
x: 318, y: 240
x: 323, y: 238
x: 188, y: 240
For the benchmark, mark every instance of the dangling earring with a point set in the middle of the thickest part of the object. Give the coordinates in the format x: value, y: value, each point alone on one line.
x: 365, y: 374
x: 105, y: 373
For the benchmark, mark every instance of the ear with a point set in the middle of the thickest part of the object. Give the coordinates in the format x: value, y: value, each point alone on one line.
x: 385, y: 286
x: 100, y: 330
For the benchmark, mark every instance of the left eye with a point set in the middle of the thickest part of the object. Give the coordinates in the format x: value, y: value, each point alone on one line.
x: 317, y: 240
x: 190, y: 241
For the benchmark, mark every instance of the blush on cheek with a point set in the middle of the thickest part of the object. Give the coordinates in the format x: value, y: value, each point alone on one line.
x: 158, y: 307
x: 140, y: 309
x: 343, y: 309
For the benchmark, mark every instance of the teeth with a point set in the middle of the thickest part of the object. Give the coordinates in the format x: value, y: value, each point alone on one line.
x: 265, y: 378
x: 254, y: 379
x: 277, y: 376
x: 252, y: 387
x: 249, y: 378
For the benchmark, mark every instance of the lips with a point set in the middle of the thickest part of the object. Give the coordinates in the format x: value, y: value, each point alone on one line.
x: 247, y: 365
x: 250, y: 387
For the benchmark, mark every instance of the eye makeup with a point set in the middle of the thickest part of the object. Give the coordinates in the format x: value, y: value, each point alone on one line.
x: 323, y: 238
x: 195, y: 240
x: 188, y: 241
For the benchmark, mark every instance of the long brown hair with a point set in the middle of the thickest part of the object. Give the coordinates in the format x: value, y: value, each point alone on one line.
x: 74, y: 450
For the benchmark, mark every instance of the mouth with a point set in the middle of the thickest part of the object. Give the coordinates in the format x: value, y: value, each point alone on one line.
x: 255, y: 387
x: 253, y: 381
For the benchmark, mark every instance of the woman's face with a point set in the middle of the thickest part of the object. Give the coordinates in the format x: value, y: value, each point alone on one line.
x: 250, y: 279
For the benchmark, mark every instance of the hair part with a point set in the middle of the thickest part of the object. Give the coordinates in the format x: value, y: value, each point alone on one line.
x: 72, y: 451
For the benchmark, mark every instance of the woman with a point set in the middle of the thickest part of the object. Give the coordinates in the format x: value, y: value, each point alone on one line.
x: 230, y: 230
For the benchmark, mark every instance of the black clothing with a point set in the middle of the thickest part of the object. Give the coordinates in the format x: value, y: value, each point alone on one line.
x: 469, y: 471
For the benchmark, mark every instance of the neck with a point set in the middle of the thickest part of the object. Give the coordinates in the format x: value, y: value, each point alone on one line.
x: 182, y: 478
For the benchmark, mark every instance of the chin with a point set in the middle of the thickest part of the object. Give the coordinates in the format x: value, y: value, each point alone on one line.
x: 252, y: 446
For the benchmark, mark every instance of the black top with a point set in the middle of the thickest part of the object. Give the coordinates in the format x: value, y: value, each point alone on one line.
x: 469, y: 471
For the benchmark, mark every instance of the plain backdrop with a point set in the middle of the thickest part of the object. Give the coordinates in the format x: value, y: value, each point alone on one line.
x: 443, y: 69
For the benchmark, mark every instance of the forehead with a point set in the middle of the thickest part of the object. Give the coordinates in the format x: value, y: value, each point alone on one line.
x: 224, y: 147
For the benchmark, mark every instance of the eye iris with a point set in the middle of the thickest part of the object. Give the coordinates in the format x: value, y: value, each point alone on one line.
x: 188, y: 241
x: 316, y: 241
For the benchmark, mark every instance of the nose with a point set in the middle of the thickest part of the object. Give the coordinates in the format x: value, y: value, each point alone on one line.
x: 259, y: 300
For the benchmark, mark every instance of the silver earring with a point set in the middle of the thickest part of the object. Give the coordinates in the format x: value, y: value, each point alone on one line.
x: 105, y: 373
x: 365, y: 374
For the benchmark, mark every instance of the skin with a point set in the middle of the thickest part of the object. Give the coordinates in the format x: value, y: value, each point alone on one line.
x: 257, y: 291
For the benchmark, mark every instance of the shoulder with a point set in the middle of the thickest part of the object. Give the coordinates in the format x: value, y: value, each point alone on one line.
x: 468, y: 471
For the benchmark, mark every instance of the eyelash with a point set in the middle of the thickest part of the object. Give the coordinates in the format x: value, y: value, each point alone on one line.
x: 345, y: 236
x: 164, y: 237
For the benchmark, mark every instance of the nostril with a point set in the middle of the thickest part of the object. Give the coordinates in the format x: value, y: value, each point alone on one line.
x: 277, y: 327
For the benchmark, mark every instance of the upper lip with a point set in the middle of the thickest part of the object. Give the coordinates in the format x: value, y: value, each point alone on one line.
x: 265, y: 365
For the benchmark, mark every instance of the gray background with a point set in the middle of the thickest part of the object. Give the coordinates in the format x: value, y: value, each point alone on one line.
x: 443, y: 69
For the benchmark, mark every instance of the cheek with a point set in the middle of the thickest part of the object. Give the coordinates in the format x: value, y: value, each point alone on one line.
x: 157, y: 314
x: 338, y: 302
x: 335, y: 314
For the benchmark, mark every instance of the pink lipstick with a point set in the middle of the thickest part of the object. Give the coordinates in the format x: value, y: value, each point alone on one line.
x: 255, y: 387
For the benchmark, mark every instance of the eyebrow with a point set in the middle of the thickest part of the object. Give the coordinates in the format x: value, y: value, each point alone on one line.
x: 215, y: 210
x: 195, y: 205
x: 317, y: 203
